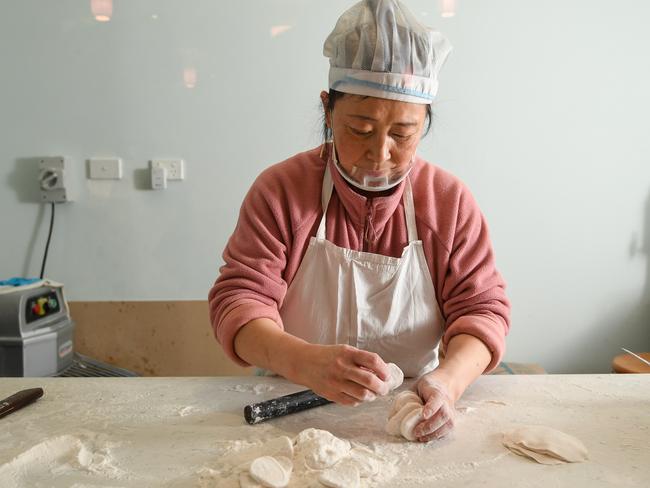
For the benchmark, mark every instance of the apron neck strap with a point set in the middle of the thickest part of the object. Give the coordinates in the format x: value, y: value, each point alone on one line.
x: 407, y: 197
x: 326, y: 194
x: 409, y: 211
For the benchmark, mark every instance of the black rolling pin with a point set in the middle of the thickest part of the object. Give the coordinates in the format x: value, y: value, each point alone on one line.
x: 284, y: 405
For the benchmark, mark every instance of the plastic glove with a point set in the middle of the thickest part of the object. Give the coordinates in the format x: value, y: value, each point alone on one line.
x: 438, y: 412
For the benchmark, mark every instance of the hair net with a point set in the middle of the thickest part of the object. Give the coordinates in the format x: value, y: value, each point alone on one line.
x: 379, y: 49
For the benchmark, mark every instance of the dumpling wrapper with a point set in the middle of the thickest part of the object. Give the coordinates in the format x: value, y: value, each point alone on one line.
x: 394, y: 424
x: 396, y: 377
x: 341, y: 476
x: 272, y: 472
x: 366, y: 461
x: 413, y: 418
x: 319, y: 449
x: 535, y: 456
x: 547, y: 441
x: 401, y: 399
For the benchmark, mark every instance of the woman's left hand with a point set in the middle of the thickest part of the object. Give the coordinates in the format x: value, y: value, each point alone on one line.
x: 438, y: 412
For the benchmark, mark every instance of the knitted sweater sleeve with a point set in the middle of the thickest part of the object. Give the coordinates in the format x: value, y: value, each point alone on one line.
x: 473, y: 292
x: 250, y: 283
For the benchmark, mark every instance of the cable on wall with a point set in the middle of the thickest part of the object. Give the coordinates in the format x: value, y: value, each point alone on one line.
x: 47, y: 245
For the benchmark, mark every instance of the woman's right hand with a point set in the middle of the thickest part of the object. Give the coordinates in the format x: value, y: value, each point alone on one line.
x: 341, y: 373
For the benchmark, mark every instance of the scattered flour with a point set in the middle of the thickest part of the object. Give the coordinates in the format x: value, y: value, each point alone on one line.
x: 257, y: 389
x: 189, y: 410
x: 56, y: 457
x: 315, y: 455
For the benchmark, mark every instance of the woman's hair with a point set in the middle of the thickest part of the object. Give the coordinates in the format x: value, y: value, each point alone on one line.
x: 335, y: 95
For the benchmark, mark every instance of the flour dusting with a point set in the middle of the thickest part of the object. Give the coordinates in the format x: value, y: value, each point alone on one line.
x: 56, y: 457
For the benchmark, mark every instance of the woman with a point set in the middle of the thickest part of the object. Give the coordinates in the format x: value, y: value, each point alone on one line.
x: 359, y: 253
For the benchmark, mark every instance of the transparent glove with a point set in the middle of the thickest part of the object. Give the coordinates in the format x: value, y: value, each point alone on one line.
x: 438, y: 412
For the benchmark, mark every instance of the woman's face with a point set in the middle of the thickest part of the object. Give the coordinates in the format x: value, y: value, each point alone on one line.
x: 375, y: 134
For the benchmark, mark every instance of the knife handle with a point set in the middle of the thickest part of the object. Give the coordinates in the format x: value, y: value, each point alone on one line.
x: 19, y: 400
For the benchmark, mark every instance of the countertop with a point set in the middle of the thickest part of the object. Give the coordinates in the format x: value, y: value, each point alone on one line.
x: 176, y: 432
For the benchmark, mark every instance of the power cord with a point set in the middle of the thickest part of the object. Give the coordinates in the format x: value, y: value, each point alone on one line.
x: 47, y: 246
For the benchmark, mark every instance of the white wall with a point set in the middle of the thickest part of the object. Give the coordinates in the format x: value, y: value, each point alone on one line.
x: 543, y: 111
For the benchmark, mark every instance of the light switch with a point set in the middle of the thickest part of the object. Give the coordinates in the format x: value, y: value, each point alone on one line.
x: 105, y: 169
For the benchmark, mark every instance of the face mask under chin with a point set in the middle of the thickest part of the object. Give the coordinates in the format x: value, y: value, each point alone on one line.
x: 363, y: 180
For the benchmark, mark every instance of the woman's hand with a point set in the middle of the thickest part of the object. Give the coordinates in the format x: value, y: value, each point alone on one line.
x: 342, y: 373
x: 438, y: 412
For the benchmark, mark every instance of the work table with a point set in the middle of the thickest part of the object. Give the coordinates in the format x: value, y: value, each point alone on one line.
x: 176, y: 432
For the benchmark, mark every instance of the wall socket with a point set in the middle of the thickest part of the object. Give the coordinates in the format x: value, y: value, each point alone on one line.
x: 175, y: 168
x: 52, y: 180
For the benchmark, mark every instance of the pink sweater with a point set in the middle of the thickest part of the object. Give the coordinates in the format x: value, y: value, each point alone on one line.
x: 282, y: 210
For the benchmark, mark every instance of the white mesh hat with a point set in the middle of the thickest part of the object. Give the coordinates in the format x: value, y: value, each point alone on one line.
x: 379, y: 49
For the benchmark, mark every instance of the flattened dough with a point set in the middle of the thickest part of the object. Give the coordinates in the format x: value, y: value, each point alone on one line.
x: 396, y: 377
x: 394, y: 424
x: 279, y: 446
x: 401, y: 399
x: 364, y: 460
x: 535, y: 456
x: 547, y: 442
x: 320, y: 449
x: 271, y: 472
x: 341, y: 476
x: 409, y: 422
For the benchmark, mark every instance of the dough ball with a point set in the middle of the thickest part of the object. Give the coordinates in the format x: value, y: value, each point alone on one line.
x: 401, y: 399
x: 271, y: 472
x: 410, y: 420
x: 341, y: 476
x: 319, y: 449
x: 547, y: 442
x: 396, y: 377
x: 394, y: 424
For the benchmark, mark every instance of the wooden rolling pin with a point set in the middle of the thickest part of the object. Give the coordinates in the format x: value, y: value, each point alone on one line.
x: 284, y: 405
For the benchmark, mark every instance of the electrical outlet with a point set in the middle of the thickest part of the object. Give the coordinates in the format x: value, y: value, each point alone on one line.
x: 52, y: 180
x: 105, y: 168
x: 175, y: 168
x: 158, y: 178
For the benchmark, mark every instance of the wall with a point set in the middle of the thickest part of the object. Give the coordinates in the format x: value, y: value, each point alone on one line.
x: 542, y: 111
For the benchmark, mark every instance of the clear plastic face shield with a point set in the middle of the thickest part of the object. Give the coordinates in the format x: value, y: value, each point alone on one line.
x: 379, y: 177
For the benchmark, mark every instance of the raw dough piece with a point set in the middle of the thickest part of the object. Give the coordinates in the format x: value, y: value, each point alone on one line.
x: 364, y: 460
x: 402, y: 399
x: 319, y: 449
x: 271, y: 472
x: 396, y: 377
x: 341, y: 476
x: 393, y: 426
x: 279, y: 446
x: 413, y: 418
x: 546, y: 441
x: 535, y: 456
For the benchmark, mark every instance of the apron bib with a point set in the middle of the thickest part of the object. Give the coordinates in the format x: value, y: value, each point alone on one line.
x: 377, y: 303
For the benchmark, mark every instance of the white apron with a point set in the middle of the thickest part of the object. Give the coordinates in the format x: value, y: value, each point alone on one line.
x: 377, y: 303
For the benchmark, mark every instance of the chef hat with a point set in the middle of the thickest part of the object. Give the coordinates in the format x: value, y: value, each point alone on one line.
x: 379, y: 49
